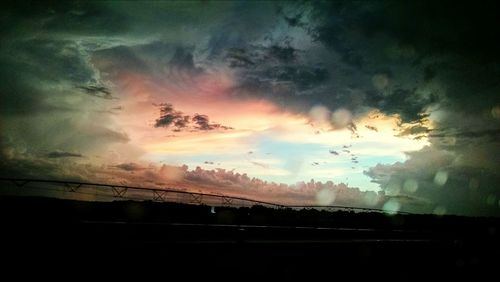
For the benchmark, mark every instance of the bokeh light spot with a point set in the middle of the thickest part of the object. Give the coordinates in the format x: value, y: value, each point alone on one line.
x: 341, y: 118
x: 392, y: 188
x: 439, y: 210
x: 392, y: 206
x: 380, y: 81
x: 319, y: 114
x: 491, y: 200
x: 410, y: 185
x: 473, y: 183
x: 371, y: 198
x: 440, y: 178
x: 495, y: 112
x: 325, y: 197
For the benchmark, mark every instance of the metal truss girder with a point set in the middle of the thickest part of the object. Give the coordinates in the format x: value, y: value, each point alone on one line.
x: 196, y: 198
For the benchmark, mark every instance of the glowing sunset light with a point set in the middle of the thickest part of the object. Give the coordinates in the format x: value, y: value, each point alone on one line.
x: 290, y: 102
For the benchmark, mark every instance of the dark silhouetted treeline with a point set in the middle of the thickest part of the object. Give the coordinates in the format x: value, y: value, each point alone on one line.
x: 256, y: 242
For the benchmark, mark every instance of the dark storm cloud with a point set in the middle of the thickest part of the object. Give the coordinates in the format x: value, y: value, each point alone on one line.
x: 129, y: 167
x: 97, y: 91
x: 155, y: 60
x: 366, y: 39
x: 113, y: 61
x: 44, y: 169
x: 169, y: 117
x: 412, y: 44
x: 415, y: 130
x: 82, y: 18
x: 62, y: 154
x: 243, y: 23
x: 106, y: 135
x: 491, y: 134
x: 303, y: 77
x: 405, y: 102
x: 432, y: 28
x: 239, y: 58
x: 48, y: 60
x: 20, y: 162
x: 183, y: 59
x: 20, y: 98
x: 52, y: 52
x: 276, y: 71
x: 422, y: 60
x: 37, y: 75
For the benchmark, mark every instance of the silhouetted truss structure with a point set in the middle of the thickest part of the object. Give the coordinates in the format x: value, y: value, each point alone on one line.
x: 103, y: 192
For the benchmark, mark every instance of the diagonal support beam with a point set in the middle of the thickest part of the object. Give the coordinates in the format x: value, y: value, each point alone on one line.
x: 159, y: 196
x: 119, y: 191
x: 72, y: 188
x: 196, y: 198
x: 227, y: 201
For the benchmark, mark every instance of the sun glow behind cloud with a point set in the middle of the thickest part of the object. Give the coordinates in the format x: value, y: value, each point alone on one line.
x: 264, y: 141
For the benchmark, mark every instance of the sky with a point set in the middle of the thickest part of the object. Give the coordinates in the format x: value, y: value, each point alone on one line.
x: 379, y: 104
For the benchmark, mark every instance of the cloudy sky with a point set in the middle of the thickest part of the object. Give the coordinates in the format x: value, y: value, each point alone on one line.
x: 376, y: 103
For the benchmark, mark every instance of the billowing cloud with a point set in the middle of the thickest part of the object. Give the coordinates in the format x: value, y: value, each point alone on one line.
x: 440, y: 181
x: 216, y: 181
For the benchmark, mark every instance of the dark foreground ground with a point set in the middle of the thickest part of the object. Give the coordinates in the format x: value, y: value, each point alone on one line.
x: 51, y: 236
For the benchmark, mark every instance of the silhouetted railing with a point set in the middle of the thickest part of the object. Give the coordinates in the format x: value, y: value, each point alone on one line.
x: 138, y: 193
x: 106, y: 191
